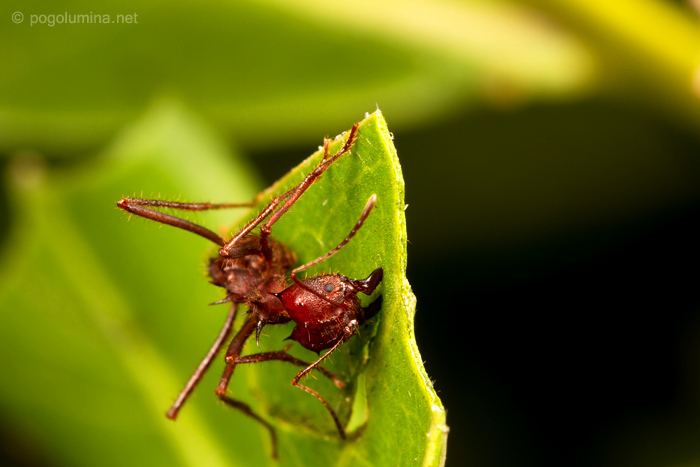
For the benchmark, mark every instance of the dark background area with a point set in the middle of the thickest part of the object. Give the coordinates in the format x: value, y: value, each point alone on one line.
x: 561, y: 348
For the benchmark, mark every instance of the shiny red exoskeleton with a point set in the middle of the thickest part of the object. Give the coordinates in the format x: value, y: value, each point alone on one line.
x: 326, y: 306
x: 256, y: 270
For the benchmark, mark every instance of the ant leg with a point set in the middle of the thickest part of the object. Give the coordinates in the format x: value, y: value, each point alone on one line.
x: 285, y: 356
x: 349, y: 331
x: 145, y: 209
x: 305, y: 184
x: 326, y: 146
x: 232, y: 354
x: 272, y: 205
x: 245, y: 408
x: 185, y: 206
x: 204, y: 365
x: 291, y: 197
x: 371, y: 202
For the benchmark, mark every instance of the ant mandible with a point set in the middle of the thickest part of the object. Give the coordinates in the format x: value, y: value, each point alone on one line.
x: 254, y: 269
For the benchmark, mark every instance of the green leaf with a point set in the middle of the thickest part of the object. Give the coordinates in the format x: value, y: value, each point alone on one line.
x: 247, y: 66
x: 102, y: 320
x: 631, y: 38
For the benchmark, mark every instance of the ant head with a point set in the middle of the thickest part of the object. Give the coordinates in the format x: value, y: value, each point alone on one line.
x: 329, y: 287
x: 324, y: 306
x: 326, y: 289
x: 335, y: 287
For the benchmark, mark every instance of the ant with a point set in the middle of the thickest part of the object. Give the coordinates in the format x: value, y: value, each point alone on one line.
x: 254, y: 270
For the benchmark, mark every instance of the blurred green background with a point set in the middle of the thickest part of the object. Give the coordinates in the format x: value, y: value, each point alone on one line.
x: 550, y: 150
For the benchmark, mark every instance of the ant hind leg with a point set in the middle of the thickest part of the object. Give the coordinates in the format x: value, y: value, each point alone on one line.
x: 148, y: 209
x: 275, y: 211
x: 296, y: 192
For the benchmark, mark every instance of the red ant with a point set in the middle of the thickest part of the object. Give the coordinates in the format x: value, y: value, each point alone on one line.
x: 253, y: 269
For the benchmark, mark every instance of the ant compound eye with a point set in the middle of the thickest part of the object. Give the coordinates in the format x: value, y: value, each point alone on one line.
x: 328, y: 287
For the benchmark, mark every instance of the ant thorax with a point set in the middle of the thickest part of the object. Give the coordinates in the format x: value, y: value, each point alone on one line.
x: 247, y: 274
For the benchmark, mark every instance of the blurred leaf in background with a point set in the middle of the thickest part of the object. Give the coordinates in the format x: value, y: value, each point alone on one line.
x: 248, y: 65
x: 100, y: 317
x: 81, y: 308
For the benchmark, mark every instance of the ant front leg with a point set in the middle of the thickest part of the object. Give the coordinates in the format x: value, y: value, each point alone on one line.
x: 283, y: 355
x: 245, y: 408
x: 347, y: 333
x: 369, y: 205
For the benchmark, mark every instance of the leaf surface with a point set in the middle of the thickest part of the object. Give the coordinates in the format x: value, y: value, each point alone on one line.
x: 102, y: 320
